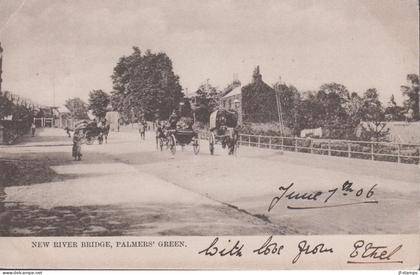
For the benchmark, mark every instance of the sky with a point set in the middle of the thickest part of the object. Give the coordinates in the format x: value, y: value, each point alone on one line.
x: 58, y: 49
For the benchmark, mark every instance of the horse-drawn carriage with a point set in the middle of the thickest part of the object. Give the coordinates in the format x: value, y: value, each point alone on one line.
x: 223, y: 130
x: 91, y: 131
x: 180, y: 134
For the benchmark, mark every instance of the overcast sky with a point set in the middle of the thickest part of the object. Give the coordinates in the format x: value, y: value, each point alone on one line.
x: 72, y: 46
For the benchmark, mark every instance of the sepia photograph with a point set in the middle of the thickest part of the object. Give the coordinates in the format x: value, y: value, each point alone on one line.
x: 184, y: 118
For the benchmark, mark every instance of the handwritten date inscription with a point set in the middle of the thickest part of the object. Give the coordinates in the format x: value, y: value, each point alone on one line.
x: 323, y: 197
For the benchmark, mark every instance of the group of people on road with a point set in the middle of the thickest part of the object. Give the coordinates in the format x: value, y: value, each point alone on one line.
x: 80, y: 132
x: 85, y: 132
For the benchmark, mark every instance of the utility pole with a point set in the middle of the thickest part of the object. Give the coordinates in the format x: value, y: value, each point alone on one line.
x: 279, y: 109
x: 279, y: 112
x: 1, y: 65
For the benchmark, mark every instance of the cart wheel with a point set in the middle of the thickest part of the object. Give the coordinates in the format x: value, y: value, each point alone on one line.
x: 196, y: 147
x: 211, y: 143
x: 172, y: 144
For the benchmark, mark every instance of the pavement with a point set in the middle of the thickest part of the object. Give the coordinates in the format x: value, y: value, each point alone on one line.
x: 128, y: 187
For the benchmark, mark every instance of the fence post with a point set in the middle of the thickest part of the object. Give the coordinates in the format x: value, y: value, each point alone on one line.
x: 349, y: 150
x: 372, y: 156
x: 329, y: 147
x: 259, y: 141
x: 269, y: 143
x: 311, y: 146
x: 282, y: 143
x: 295, y: 144
x: 399, y: 153
x: 249, y: 141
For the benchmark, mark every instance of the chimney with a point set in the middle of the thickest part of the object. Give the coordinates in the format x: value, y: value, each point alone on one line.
x: 256, y: 76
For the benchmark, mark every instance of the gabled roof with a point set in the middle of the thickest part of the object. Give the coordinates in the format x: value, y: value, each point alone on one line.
x: 235, y: 91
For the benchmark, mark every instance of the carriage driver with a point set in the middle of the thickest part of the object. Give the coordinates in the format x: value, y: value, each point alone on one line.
x: 222, y: 125
x: 173, y: 120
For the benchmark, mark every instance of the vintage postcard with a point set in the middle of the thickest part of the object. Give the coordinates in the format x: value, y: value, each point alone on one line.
x: 221, y: 134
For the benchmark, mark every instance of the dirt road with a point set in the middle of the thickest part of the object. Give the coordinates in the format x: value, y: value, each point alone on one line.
x: 127, y: 187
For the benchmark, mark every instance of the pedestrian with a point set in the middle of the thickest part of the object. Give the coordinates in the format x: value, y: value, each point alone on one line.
x: 67, y: 129
x: 142, y: 130
x: 33, y: 128
x: 77, y: 145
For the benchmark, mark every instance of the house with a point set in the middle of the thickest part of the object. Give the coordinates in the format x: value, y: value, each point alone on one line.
x: 231, y: 99
x: 254, y: 102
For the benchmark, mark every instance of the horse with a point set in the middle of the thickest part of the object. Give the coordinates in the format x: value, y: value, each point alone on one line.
x: 161, y: 135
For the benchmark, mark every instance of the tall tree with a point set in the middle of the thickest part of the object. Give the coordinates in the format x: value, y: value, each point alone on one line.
x: 98, y: 102
x: 411, y: 92
x: 290, y: 99
x: 77, y: 107
x: 333, y: 99
x: 145, y: 84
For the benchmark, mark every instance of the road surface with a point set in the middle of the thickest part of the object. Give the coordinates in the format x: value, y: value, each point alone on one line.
x: 127, y: 187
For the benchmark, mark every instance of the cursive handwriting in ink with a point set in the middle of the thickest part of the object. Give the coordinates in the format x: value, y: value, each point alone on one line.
x: 269, y: 247
x: 289, y: 194
x: 214, y: 249
x: 373, y: 253
x: 292, y: 195
x: 305, y: 248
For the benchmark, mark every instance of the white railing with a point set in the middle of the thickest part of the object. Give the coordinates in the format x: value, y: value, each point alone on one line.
x: 380, y: 151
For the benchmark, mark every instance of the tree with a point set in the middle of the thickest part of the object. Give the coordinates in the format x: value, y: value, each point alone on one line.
x: 411, y: 92
x: 145, y: 84
x: 334, y: 98
x: 6, y: 106
x: 394, y: 112
x: 331, y: 105
x: 290, y: 99
x: 354, y: 110
x: 77, y: 107
x: 98, y: 102
x: 207, y: 98
x: 374, y: 127
x: 336, y: 89
x: 309, y: 112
